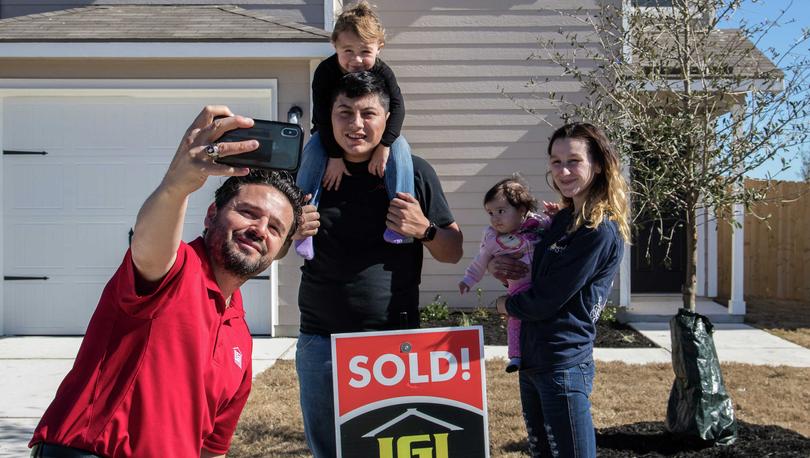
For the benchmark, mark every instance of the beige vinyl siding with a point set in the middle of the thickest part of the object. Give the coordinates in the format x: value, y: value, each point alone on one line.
x: 309, y: 12
x: 454, y: 60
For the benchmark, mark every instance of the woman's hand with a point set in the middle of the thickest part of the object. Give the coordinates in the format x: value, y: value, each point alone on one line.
x: 506, y: 267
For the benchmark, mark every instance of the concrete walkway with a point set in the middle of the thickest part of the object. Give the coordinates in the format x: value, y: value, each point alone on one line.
x: 31, y: 368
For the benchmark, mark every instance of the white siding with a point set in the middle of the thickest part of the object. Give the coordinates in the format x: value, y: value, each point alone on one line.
x: 454, y: 59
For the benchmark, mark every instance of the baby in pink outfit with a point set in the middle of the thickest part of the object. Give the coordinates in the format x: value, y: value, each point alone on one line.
x: 514, y: 229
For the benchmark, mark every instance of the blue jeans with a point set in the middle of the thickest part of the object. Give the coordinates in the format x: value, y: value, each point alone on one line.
x: 557, y: 411
x: 313, y: 363
x: 398, y: 170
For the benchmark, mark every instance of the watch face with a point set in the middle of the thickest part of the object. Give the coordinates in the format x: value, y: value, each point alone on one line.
x: 430, y: 232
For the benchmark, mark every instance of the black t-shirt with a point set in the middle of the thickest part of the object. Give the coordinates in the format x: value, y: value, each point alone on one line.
x: 357, y: 281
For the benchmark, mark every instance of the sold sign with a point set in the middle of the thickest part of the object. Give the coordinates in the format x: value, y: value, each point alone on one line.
x: 412, y: 393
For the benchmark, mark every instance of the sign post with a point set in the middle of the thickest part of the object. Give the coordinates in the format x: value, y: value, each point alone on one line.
x: 411, y: 393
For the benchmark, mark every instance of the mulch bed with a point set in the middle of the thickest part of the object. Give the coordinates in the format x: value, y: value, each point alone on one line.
x: 650, y: 439
x: 609, y: 333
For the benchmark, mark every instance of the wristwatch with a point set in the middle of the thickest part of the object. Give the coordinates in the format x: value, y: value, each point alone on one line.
x: 430, y: 232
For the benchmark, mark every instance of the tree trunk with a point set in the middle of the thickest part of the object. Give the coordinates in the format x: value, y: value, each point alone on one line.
x: 690, y: 282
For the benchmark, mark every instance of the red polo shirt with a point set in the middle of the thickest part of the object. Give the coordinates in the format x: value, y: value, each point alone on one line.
x: 161, y: 375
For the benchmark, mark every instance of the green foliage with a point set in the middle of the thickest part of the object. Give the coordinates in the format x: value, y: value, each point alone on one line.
x: 439, y: 311
x: 480, y: 314
x: 609, y: 314
x: 465, y: 320
x: 436, y: 310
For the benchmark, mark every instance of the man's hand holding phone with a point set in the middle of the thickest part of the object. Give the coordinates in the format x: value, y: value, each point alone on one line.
x: 279, y: 146
x: 191, y: 165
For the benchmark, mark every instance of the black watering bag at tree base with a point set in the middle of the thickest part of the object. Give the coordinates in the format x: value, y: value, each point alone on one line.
x: 699, y: 406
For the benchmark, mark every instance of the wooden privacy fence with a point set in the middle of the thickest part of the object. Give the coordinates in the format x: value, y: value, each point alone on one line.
x: 777, y: 250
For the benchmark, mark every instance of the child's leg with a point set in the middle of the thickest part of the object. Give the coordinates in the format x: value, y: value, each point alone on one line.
x: 398, y: 178
x: 513, y: 342
x: 313, y: 166
x: 310, y: 175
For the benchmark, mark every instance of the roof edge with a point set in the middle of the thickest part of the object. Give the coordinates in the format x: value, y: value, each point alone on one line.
x: 166, y: 50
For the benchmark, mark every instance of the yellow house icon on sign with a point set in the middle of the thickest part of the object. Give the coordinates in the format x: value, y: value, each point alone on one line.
x: 417, y: 445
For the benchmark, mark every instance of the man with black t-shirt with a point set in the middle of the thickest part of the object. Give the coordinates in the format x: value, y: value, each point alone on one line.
x: 357, y: 282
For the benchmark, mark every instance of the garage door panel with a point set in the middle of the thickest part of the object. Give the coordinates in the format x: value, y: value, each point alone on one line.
x: 100, y: 246
x: 142, y: 177
x: 98, y: 186
x: 32, y: 124
x: 199, y: 201
x: 38, y: 249
x: 67, y: 215
x: 50, y: 307
x: 31, y: 185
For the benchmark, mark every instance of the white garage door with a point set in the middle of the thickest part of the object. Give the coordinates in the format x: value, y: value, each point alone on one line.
x: 68, y: 213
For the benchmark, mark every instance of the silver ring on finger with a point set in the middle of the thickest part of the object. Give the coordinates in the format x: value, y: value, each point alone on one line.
x: 212, y: 151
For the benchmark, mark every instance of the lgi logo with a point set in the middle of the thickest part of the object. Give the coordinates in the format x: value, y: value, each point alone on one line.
x: 414, y: 445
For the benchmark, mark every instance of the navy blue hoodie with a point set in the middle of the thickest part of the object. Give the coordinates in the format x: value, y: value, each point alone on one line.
x: 572, y: 275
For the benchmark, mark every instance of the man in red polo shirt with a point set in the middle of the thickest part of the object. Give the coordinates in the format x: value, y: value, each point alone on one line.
x: 165, y: 366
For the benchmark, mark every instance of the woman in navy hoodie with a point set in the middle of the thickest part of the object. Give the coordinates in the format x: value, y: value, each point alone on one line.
x: 572, y: 275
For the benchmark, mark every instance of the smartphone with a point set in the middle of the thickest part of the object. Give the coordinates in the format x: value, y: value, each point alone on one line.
x: 279, y: 148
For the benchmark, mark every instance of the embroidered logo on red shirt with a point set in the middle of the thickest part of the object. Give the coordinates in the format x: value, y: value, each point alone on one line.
x: 237, y: 356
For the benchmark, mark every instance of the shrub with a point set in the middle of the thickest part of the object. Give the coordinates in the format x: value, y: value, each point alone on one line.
x: 436, y: 310
x: 609, y: 313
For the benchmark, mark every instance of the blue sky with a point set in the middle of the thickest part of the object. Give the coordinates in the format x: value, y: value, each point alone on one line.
x: 781, y: 39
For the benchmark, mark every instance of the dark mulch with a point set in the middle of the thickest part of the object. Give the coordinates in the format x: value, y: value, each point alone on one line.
x: 609, y: 333
x: 650, y: 439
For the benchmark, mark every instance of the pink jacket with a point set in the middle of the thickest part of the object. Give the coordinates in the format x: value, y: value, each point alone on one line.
x: 520, y: 241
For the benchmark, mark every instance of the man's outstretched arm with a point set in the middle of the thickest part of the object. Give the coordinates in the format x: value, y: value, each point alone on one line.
x: 159, y: 225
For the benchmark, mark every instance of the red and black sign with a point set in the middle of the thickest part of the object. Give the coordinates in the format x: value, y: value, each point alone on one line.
x: 414, y: 393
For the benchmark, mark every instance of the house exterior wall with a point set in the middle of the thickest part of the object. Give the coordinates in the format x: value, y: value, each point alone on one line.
x: 453, y: 59
x: 309, y: 12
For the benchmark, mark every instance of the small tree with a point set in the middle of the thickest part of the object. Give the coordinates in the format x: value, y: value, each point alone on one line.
x: 691, y: 107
